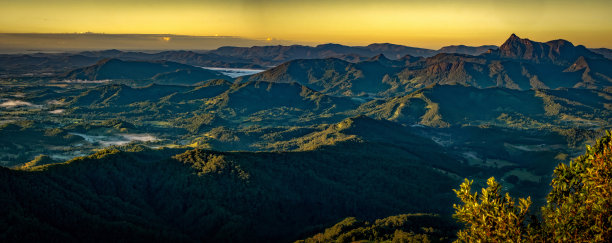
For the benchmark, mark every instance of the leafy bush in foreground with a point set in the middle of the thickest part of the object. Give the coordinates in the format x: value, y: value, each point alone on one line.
x: 578, y: 209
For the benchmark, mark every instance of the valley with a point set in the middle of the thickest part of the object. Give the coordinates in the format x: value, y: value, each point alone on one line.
x: 131, y: 146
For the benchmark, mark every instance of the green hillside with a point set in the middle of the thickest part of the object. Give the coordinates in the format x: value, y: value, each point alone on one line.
x: 444, y: 105
x: 205, y: 195
x: 139, y: 72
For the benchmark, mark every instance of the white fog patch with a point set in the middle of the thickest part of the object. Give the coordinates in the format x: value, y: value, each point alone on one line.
x: 58, y: 111
x: 235, y: 72
x: 139, y: 137
x: 66, y: 156
x: 16, y: 103
x: 117, y: 139
x: 82, y: 81
x: 88, y: 138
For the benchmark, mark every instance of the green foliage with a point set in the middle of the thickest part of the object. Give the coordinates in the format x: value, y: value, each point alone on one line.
x: 38, y: 161
x: 490, y: 216
x: 399, y: 228
x: 199, y: 122
x: 580, y: 203
x: 578, y: 209
x: 576, y: 136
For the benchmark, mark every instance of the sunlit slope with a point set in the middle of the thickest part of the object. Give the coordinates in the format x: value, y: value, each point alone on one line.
x: 442, y: 106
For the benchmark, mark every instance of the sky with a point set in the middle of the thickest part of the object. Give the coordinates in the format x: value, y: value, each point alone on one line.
x: 429, y: 24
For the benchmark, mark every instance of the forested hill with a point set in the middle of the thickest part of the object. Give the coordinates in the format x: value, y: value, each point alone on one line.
x: 200, y: 195
x: 160, y: 72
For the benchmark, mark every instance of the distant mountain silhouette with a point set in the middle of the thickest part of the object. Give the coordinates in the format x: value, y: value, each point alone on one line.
x: 468, y: 50
x: 159, y: 72
x: 258, y: 57
x: 607, y: 53
x: 518, y: 64
x: 397, y: 51
x: 559, y: 52
x: 384, y: 61
x: 382, y: 69
x: 42, y: 64
x: 278, y: 54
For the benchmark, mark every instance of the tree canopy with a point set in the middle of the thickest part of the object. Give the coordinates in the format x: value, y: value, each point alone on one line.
x: 578, y: 209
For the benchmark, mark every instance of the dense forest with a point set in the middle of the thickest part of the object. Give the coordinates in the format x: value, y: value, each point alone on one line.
x: 578, y: 209
x: 205, y: 195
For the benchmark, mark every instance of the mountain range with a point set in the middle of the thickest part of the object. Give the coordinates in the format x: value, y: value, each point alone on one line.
x: 236, y: 57
x: 560, y: 52
x: 327, y: 145
x: 603, y: 51
x: 355, y: 71
x: 518, y: 64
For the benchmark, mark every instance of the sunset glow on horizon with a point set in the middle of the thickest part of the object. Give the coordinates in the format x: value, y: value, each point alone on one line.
x: 430, y: 24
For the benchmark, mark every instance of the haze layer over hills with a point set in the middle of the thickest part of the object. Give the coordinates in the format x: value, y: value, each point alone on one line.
x: 133, y: 146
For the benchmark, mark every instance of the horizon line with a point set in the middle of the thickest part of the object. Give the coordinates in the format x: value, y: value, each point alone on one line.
x: 262, y: 39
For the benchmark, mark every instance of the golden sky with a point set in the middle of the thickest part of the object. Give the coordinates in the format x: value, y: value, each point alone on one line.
x: 430, y: 24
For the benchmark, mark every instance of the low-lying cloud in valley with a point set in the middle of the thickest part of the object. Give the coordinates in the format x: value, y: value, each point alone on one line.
x: 17, y: 103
